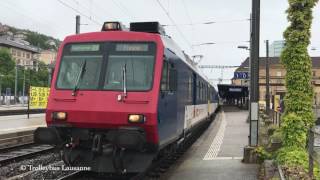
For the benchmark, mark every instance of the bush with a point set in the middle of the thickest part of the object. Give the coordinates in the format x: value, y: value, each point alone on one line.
x: 272, y: 129
x: 262, y: 153
x: 294, y: 131
x: 293, y: 157
x: 277, y: 136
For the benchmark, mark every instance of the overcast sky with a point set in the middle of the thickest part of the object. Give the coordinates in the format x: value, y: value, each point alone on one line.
x: 54, y: 18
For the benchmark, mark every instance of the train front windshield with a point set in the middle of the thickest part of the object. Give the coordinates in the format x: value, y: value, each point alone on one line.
x: 107, y: 66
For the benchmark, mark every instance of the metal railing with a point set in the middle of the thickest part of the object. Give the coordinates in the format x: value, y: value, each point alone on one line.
x: 275, y: 117
x: 313, y: 148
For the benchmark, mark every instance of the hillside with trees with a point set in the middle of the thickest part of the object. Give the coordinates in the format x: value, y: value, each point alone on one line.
x: 34, y: 38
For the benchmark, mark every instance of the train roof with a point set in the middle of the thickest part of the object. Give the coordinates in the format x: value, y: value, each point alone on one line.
x: 170, y: 44
x: 147, y: 29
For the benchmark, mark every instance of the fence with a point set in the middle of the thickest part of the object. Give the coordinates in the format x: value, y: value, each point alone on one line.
x: 313, y: 148
x: 17, y: 84
x: 275, y: 117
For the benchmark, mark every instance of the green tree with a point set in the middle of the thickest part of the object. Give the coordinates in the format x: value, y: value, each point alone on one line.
x: 7, y: 63
x: 298, y: 116
x: 295, y: 58
x: 7, y: 66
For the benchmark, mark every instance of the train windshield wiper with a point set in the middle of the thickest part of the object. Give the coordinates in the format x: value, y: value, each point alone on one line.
x: 124, y: 79
x: 79, y: 77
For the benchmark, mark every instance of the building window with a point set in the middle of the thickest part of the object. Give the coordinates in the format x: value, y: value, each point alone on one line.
x: 279, y: 81
x: 314, y: 73
x: 14, y: 52
x: 278, y: 73
x: 23, y: 54
x: 28, y: 55
x: 19, y: 53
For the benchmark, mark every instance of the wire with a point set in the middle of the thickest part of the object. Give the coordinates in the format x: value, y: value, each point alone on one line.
x: 173, y: 22
x: 84, y: 7
x: 123, y: 9
x: 84, y: 15
x: 211, y: 22
x: 219, y: 43
x: 216, y: 66
x: 189, y: 18
x: 47, y: 25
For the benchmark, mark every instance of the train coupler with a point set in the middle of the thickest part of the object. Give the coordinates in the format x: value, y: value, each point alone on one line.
x: 97, y: 144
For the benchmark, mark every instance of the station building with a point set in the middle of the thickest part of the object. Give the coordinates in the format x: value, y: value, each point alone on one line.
x: 277, y: 79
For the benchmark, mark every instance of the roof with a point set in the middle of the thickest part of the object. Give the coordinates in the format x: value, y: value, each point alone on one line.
x: 7, y: 42
x: 229, y: 91
x: 275, y: 61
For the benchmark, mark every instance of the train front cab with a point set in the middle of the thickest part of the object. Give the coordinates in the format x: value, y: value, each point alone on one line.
x: 96, y: 130
x: 178, y: 102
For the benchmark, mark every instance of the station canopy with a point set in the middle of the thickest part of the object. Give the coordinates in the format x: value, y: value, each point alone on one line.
x: 229, y: 91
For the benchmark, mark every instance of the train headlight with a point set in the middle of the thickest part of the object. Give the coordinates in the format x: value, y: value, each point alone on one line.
x: 136, y: 118
x: 59, y: 115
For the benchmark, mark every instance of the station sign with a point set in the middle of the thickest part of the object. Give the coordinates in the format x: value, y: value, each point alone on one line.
x: 38, y: 97
x: 235, y: 90
x: 241, y: 75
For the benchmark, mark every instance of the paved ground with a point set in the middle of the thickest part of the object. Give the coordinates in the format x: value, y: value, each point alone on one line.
x: 217, y: 154
x: 18, y: 123
x: 13, y: 107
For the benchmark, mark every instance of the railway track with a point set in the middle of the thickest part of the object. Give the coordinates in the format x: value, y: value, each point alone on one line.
x: 154, y: 172
x: 21, y: 152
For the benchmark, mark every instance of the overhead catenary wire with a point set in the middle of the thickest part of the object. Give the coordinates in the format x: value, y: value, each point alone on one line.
x: 86, y: 8
x: 193, y: 36
x: 123, y: 9
x: 211, y: 22
x: 173, y: 22
x: 37, y: 20
x: 82, y: 14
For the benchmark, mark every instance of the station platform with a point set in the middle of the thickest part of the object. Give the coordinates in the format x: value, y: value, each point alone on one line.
x: 217, y: 154
x: 20, y: 123
x: 13, y: 107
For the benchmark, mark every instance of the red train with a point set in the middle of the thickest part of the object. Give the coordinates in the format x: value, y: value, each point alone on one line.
x: 121, y: 97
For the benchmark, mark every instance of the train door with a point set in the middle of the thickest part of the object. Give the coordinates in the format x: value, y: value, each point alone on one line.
x: 167, y: 107
x: 194, y: 94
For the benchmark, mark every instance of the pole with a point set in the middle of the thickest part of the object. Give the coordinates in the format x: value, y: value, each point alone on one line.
x: 16, y: 84
x: 1, y: 90
x: 77, y: 24
x: 24, y: 85
x: 254, y: 73
x: 267, y: 79
x: 28, y: 111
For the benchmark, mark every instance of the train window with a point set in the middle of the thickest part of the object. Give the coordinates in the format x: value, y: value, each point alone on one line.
x: 201, y: 91
x: 172, y: 79
x: 80, y: 72
x: 164, y: 78
x: 190, y: 88
x: 198, y: 89
x: 138, y: 65
x: 139, y: 70
x: 169, y: 77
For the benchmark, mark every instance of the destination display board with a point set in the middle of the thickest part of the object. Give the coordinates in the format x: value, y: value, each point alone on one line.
x: 38, y: 97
